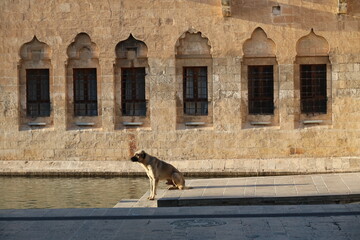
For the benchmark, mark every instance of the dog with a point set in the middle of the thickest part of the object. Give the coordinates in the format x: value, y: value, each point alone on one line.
x: 156, y: 170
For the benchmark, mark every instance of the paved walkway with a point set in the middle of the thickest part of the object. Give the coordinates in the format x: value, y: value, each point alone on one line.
x: 320, y: 222
x: 270, y: 222
x: 273, y: 190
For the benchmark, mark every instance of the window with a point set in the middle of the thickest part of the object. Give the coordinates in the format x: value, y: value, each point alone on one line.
x: 313, y: 88
x: 85, y: 92
x: 133, y: 91
x: 195, y: 91
x: 261, y: 89
x: 37, y: 93
x: 194, y: 81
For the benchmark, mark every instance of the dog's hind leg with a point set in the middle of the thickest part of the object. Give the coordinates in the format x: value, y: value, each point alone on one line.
x: 156, y: 182
x: 170, y: 182
x: 178, y: 181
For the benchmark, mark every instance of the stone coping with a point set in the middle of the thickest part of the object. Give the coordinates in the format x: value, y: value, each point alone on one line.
x: 249, y: 201
x: 210, y: 167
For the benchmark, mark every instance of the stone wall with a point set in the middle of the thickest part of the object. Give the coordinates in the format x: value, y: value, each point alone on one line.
x: 228, y: 139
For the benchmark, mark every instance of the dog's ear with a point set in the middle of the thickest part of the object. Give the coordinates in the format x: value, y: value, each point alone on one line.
x: 143, y: 154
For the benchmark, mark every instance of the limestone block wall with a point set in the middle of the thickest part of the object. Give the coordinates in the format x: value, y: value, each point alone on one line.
x: 226, y: 140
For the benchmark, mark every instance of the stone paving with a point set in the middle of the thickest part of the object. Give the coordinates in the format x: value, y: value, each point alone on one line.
x: 272, y: 190
x: 338, y: 222
x: 143, y: 220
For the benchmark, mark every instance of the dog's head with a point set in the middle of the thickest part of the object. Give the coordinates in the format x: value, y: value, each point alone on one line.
x: 139, y: 156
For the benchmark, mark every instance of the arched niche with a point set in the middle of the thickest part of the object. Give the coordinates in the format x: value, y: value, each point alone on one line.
x: 130, y: 49
x: 194, y: 78
x: 35, y: 51
x: 259, y: 82
x: 82, y: 48
x: 193, y: 44
x: 312, y: 81
x: 131, y: 68
x: 312, y: 45
x: 35, y: 85
x: 259, y: 45
x: 83, y: 81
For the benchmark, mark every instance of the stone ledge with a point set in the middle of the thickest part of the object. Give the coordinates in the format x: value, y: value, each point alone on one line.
x: 211, y: 167
x: 248, y: 201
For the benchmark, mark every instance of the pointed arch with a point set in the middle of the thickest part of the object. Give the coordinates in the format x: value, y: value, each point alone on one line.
x: 131, y: 48
x: 260, y: 80
x: 312, y: 45
x: 193, y: 43
x: 83, y: 83
x: 194, y: 77
x: 35, y: 50
x: 313, y: 79
x: 82, y: 47
x: 35, y: 83
x: 131, y: 85
x: 259, y: 45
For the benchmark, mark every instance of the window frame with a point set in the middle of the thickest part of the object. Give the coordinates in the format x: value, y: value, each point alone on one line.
x: 316, y: 90
x: 42, y: 92
x: 135, y: 99
x: 88, y: 99
x: 199, y: 110
x: 257, y: 94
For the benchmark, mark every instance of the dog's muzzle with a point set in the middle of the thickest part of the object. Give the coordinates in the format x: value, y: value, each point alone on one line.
x: 134, y: 159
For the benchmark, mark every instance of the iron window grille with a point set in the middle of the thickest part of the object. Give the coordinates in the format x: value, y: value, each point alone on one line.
x: 85, y: 92
x: 313, y: 88
x: 133, y: 91
x: 195, y: 91
x: 37, y: 93
x: 261, y: 89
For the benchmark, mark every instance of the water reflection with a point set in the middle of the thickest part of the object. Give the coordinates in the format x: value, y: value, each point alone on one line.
x: 53, y: 192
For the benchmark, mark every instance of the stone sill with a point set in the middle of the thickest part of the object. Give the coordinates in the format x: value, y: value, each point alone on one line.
x: 85, y: 124
x: 313, y: 121
x: 195, y: 124
x: 260, y: 123
x: 36, y: 124
x: 133, y: 124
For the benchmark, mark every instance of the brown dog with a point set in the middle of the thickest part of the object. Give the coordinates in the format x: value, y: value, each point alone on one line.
x: 159, y: 170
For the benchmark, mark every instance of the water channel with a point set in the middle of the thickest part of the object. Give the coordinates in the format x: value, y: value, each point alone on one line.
x: 69, y: 192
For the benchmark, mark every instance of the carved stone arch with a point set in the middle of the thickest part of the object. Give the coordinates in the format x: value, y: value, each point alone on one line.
x: 260, y: 81
x: 313, y: 68
x: 131, y: 48
x: 84, y: 107
x: 35, y: 51
x: 259, y: 45
x: 35, y: 80
x: 193, y: 43
x: 312, y: 45
x: 131, y: 72
x: 194, y: 67
x: 82, y: 48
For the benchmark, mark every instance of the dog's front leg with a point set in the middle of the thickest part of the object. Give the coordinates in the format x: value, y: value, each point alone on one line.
x: 153, y: 189
x: 152, y: 195
x: 156, y: 182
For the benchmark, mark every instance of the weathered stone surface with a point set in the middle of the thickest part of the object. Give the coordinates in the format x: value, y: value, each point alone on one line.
x: 293, y: 34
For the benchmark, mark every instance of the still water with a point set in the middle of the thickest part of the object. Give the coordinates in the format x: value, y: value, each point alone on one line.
x: 54, y: 192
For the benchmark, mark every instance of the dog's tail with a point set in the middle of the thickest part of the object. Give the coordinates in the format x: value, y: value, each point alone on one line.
x: 185, y: 188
